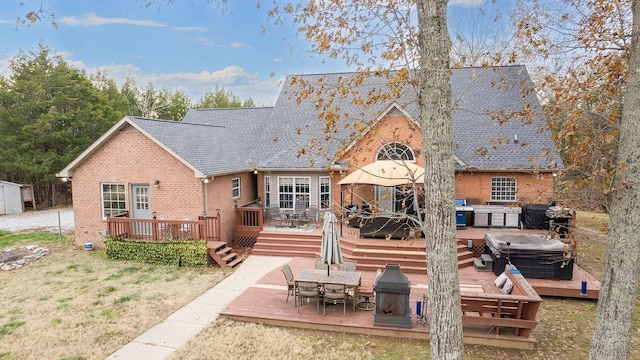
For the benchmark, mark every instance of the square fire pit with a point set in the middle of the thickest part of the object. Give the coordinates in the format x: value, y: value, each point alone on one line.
x: 392, y: 299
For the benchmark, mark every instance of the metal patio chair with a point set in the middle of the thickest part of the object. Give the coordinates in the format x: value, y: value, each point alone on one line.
x: 308, y: 290
x: 336, y: 293
x: 276, y: 215
x: 291, y: 286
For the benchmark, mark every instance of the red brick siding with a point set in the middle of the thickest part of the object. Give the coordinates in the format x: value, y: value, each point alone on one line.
x: 476, y: 186
x: 131, y: 158
x: 219, y: 197
x: 531, y: 188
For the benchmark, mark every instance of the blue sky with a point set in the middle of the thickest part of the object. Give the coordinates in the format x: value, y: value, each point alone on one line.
x: 189, y: 48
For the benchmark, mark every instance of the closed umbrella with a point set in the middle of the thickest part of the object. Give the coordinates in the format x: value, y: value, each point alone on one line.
x: 330, y: 249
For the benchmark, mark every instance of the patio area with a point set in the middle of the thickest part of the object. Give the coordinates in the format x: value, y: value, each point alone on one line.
x: 264, y: 302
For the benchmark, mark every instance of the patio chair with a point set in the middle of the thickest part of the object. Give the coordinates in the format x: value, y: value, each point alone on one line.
x: 164, y: 230
x: 308, y: 290
x: 336, y: 293
x: 309, y: 215
x: 276, y: 215
x: 185, y: 229
x: 347, y: 266
x: 321, y: 265
x: 299, y: 210
x: 288, y: 276
x: 367, y: 292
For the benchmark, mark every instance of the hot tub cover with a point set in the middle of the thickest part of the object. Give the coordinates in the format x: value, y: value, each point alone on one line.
x: 525, y: 245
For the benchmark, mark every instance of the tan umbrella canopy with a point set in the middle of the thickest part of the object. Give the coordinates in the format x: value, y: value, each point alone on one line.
x: 386, y: 173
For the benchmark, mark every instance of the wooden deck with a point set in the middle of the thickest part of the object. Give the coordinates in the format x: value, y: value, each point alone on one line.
x: 411, y: 255
x: 264, y: 303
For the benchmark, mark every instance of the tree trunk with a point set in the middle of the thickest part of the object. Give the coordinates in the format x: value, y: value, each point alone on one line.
x: 616, y: 305
x: 439, y: 227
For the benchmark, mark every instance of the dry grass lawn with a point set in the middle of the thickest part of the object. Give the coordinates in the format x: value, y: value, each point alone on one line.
x: 75, y: 304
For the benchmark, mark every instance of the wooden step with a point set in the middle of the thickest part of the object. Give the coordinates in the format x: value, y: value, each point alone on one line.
x: 223, y: 251
x: 223, y: 255
x: 235, y: 262
x: 370, y: 254
x: 286, y: 253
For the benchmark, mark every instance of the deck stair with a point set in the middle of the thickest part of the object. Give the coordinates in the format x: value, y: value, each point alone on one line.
x: 222, y: 254
x: 370, y: 254
x: 485, y: 263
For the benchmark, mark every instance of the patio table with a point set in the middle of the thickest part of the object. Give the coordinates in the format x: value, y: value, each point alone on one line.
x: 350, y: 279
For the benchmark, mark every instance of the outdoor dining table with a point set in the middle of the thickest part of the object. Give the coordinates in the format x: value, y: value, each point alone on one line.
x: 350, y: 279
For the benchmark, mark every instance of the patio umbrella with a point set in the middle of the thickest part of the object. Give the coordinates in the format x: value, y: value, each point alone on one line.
x: 330, y: 249
x: 386, y: 173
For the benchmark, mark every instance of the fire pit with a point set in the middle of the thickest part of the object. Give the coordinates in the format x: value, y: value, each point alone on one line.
x: 392, y: 299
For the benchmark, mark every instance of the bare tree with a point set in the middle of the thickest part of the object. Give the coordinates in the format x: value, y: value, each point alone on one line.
x: 593, y: 92
x: 440, y: 228
x: 479, y: 38
x: 407, y: 44
x: 619, y: 291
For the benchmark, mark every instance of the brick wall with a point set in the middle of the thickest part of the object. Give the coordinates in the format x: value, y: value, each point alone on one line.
x: 131, y: 158
x: 531, y: 188
x: 474, y: 186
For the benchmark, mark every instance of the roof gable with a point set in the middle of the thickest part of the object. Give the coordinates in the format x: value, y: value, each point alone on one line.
x: 206, y: 149
x: 479, y: 95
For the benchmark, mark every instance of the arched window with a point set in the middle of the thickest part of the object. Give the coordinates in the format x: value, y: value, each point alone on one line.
x: 395, y: 151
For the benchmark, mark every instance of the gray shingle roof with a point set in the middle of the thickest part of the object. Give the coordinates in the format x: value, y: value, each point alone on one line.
x: 223, y: 140
x: 210, y: 149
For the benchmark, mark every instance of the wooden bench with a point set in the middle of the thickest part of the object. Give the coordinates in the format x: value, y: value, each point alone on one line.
x: 516, y: 311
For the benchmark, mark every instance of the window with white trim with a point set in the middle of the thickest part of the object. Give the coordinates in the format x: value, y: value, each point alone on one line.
x: 114, y: 199
x: 235, y: 187
x: 292, y: 190
x: 395, y: 151
x: 325, y: 193
x: 267, y: 191
x: 503, y: 188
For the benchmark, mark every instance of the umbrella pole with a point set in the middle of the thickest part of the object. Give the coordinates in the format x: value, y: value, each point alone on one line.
x: 341, y: 209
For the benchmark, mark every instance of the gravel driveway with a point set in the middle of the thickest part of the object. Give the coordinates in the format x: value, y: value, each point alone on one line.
x: 41, y: 220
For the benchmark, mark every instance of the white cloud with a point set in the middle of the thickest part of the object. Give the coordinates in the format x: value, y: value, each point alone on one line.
x: 278, y: 60
x: 467, y: 3
x: 208, y: 42
x: 236, y: 44
x: 228, y: 75
x: 91, y: 19
x: 189, y: 28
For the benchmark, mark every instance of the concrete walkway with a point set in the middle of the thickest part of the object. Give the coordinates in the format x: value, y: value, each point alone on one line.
x: 162, y: 340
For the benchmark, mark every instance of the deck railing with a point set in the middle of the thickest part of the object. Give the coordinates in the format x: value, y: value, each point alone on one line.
x: 122, y: 226
x: 249, y: 222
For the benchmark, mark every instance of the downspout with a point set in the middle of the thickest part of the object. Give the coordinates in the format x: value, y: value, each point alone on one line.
x: 205, y: 195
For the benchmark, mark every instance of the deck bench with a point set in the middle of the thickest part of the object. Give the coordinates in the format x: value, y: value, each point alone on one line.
x: 516, y: 310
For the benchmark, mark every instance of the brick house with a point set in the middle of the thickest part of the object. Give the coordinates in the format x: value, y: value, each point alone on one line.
x: 218, y: 159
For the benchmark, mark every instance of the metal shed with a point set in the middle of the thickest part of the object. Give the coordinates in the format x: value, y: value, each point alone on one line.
x: 10, y: 198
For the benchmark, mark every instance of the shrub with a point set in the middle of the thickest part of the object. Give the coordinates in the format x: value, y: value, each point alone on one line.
x: 181, y: 253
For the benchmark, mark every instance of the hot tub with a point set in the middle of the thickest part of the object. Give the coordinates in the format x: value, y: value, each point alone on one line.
x: 534, y: 255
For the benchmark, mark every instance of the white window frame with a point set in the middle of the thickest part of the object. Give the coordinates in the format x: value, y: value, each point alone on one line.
x: 324, y: 182
x: 267, y: 191
x: 396, y: 151
x: 235, y: 187
x: 504, y: 188
x: 107, y: 195
x: 298, y: 183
